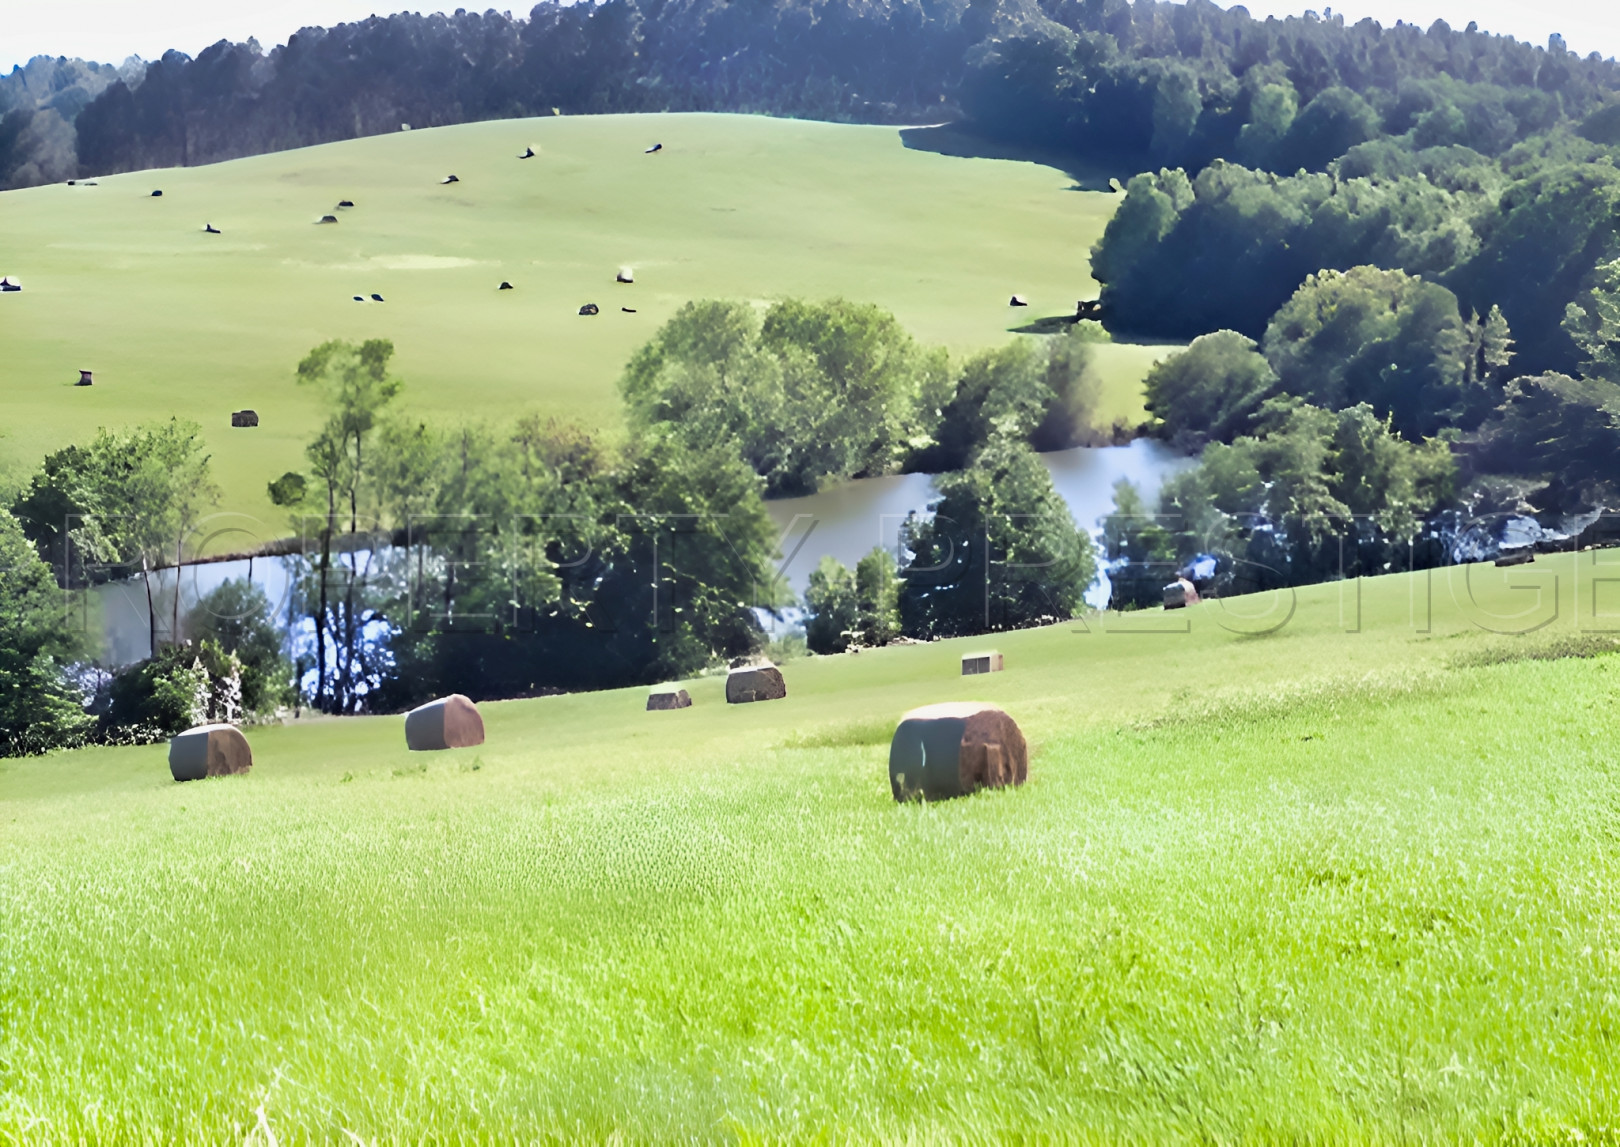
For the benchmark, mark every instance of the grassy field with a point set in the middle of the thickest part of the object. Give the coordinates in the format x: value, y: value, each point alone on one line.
x: 1340, y: 866
x: 175, y: 321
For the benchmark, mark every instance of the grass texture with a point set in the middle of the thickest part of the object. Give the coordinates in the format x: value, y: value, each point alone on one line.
x: 1307, y: 868
x: 172, y: 320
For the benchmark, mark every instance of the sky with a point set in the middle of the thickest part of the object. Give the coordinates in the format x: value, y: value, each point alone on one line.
x: 109, y: 31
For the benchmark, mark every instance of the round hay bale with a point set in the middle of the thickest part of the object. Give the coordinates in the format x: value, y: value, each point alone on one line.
x: 590, y: 309
x: 244, y: 418
x: 954, y: 749
x: 451, y: 722
x: 626, y: 275
x: 157, y: 195
x: 665, y: 698
x: 754, y: 683
x: 209, y: 751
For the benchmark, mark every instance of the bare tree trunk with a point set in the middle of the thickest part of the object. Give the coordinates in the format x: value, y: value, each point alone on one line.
x: 151, y: 610
x: 174, y: 625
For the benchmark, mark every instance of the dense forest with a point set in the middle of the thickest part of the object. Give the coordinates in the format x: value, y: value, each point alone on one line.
x: 1174, y: 84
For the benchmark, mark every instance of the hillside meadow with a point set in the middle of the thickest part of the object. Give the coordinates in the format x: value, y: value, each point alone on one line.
x: 173, y: 320
x: 1331, y: 865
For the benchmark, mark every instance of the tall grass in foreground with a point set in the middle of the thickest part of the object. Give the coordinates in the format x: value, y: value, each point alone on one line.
x: 1353, y: 913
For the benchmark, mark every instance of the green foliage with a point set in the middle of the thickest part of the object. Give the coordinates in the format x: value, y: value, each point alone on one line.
x: 178, y: 688
x: 289, y: 490
x: 1331, y: 124
x: 1561, y: 431
x: 833, y: 607
x: 39, y: 709
x: 1384, y: 338
x: 1213, y: 389
x: 815, y: 391
x: 1276, y: 505
x: 860, y: 607
x: 1226, y: 249
x: 1593, y: 323
x: 999, y: 550
x: 235, y: 617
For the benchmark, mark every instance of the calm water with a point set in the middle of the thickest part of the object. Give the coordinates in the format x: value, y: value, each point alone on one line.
x: 848, y: 520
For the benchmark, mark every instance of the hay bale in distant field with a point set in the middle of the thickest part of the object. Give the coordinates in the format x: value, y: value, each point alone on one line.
x: 1179, y: 594
x: 359, y: 298
x: 1018, y: 301
x: 528, y: 153
x: 754, y: 683
x: 449, y: 179
x: 85, y: 379
x: 327, y: 219
x: 451, y: 722
x: 209, y: 751
x: 1517, y: 556
x: 653, y: 148
x: 157, y: 195
x: 976, y: 663
x: 210, y: 229
x: 345, y: 203
x: 590, y: 309
x: 505, y: 286
x: 244, y: 418
x: 626, y: 275
x: 954, y: 749
x: 668, y: 698
x: 8, y: 284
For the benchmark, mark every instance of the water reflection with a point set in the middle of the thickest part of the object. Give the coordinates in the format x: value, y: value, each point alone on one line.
x: 848, y: 520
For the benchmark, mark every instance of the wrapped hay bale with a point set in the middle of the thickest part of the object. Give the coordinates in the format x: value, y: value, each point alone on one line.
x: 754, y: 683
x: 976, y: 663
x: 668, y: 699
x: 209, y: 751
x: 956, y: 748
x: 451, y: 722
x: 1179, y: 594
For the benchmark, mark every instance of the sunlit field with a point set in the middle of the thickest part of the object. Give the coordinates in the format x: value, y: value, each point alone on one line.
x: 172, y: 320
x: 1334, y: 866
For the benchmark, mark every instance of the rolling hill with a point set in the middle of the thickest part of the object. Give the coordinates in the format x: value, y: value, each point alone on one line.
x: 173, y: 320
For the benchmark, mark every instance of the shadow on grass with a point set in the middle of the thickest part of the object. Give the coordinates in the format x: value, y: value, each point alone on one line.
x: 956, y: 139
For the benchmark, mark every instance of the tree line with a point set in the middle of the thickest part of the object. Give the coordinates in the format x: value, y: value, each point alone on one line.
x: 1148, y: 82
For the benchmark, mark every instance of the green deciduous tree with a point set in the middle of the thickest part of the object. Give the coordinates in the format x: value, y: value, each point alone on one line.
x: 1212, y: 390
x: 999, y: 550
x: 39, y: 709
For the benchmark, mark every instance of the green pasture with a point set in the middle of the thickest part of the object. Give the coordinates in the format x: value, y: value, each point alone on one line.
x: 1334, y: 866
x: 175, y: 321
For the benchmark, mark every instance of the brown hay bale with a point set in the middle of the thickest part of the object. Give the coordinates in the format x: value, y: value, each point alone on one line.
x: 976, y: 663
x: 590, y: 309
x: 209, y: 751
x: 244, y: 418
x: 451, y: 722
x: 667, y: 698
x: 954, y: 749
x: 1517, y: 556
x: 754, y: 683
x: 1179, y: 594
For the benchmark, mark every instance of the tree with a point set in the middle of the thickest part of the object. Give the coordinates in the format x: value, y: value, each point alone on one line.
x: 999, y: 550
x: 877, y: 593
x: 1212, y: 390
x: 356, y: 388
x: 39, y: 709
x: 1593, y: 323
x: 126, y: 500
x: 236, y: 617
x: 833, y: 606
x: 1385, y: 338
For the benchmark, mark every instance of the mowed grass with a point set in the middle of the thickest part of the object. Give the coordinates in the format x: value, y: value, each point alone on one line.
x: 1350, y: 880
x: 175, y: 321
